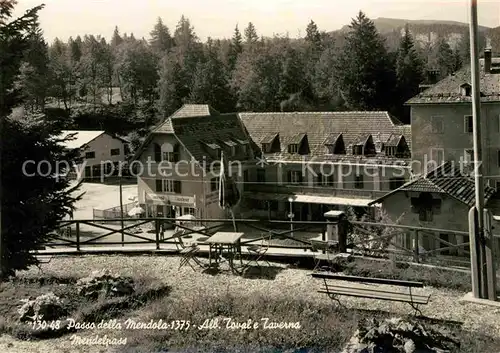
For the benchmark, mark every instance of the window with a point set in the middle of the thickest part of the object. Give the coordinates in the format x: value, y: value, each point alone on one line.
x: 167, y: 185
x: 294, y: 177
x: 357, y: 150
x: 167, y: 156
x: 390, y: 151
x: 243, y: 149
x: 89, y: 155
x: 293, y: 148
x: 468, y: 155
x: 266, y: 147
x: 261, y: 175
x: 358, y: 181
x: 218, y: 152
x: 468, y: 125
x: 233, y: 151
x: 115, y: 151
x: 189, y: 210
x: 437, y: 124
x: 466, y: 89
x: 426, y: 207
x: 395, y: 183
x: 437, y: 155
x: 214, y: 184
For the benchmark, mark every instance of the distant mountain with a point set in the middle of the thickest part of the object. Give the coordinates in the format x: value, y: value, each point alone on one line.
x: 385, y: 25
x: 425, y: 32
x: 494, y: 35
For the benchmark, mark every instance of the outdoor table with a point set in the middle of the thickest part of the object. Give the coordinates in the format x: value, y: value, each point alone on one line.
x: 221, y: 240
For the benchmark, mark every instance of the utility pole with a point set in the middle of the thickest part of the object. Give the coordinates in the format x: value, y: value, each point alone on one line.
x: 121, y: 209
x: 477, y: 244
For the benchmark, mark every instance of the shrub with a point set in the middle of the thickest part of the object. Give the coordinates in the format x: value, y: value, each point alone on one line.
x: 105, y: 284
x: 49, y: 306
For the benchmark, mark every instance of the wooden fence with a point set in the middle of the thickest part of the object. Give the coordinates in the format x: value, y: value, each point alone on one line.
x: 365, y: 238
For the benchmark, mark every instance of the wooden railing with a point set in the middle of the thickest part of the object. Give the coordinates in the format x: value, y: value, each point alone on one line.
x: 361, y: 236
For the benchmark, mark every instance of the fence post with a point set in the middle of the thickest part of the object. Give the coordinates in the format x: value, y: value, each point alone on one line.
x: 416, y: 245
x: 336, y: 228
x: 77, y: 236
x: 157, y: 234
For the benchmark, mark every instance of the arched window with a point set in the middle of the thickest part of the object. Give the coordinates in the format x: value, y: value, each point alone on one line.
x: 167, y: 152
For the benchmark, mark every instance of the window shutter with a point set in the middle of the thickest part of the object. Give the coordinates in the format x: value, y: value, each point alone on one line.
x: 177, y: 153
x: 157, y: 153
x: 177, y: 186
x: 159, y: 185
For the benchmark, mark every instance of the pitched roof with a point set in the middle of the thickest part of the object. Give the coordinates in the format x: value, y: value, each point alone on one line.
x: 323, y: 128
x: 191, y: 110
x: 448, y: 89
x: 79, y: 137
x: 449, y: 179
x: 195, y: 132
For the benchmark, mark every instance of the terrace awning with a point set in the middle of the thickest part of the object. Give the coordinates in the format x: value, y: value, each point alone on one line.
x: 330, y: 200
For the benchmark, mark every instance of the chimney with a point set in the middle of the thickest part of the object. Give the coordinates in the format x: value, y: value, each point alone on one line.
x: 487, y: 60
x: 487, y: 56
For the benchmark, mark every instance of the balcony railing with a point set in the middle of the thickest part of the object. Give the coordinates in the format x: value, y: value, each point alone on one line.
x: 316, y: 190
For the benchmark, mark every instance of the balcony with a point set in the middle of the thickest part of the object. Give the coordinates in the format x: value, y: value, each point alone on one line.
x: 318, y: 190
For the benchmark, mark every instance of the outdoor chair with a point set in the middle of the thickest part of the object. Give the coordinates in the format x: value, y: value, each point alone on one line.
x: 187, y: 252
x: 326, y: 253
x: 257, y: 252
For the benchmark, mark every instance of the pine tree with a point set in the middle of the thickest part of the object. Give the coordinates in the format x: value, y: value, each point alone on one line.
x: 171, y: 89
x: 365, y: 75
x: 31, y: 204
x: 211, y: 84
x: 160, y: 41
x: 409, y: 68
x: 235, y: 49
x: 463, y: 49
x: 34, y: 70
x: 116, y: 40
x: 251, y: 36
x: 444, y: 57
x: 313, y: 37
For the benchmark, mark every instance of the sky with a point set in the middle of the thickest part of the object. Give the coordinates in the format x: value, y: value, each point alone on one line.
x: 217, y: 18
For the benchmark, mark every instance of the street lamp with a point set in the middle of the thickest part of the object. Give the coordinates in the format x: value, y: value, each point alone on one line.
x: 291, y: 215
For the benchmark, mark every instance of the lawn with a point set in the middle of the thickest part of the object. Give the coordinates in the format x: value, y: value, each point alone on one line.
x: 283, y: 293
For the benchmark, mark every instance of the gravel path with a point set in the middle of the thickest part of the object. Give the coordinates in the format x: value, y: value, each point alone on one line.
x: 289, y: 281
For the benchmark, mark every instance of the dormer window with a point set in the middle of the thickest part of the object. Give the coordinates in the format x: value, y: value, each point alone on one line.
x: 271, y: 143
x: 396, y: 146
x: 335, y: 144
x: 293, y: 148
x: 214, y: 148
x: 364, y: 146
x: 231, y: 145
x: 466, y: 90
x: 298, y: 144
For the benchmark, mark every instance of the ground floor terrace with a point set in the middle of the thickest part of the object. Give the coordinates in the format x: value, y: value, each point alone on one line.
x: 280, y: 293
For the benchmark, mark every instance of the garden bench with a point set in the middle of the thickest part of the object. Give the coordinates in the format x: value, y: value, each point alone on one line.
x: 354, y: 289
